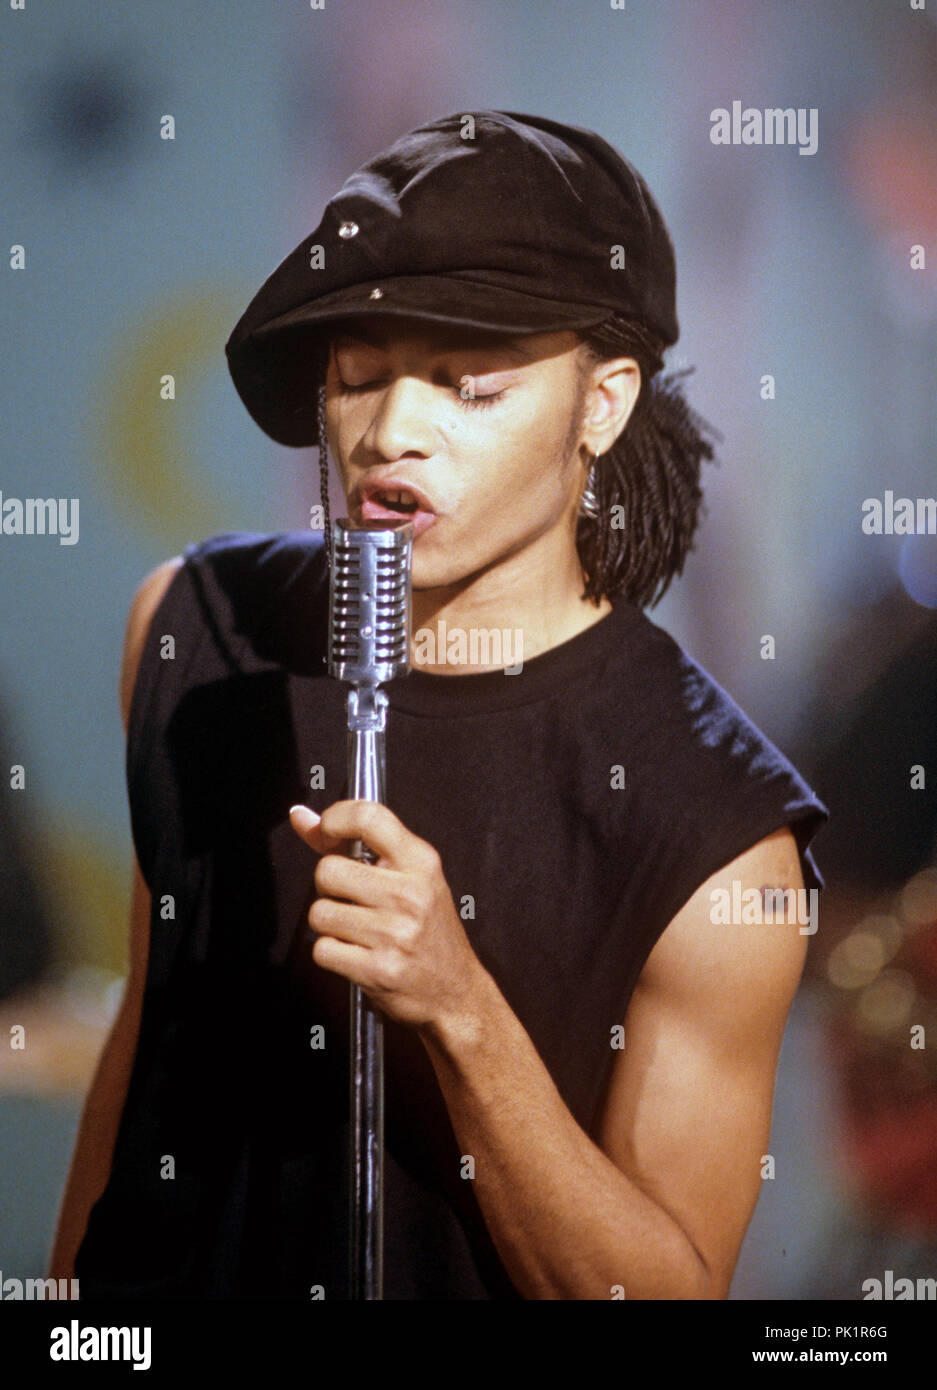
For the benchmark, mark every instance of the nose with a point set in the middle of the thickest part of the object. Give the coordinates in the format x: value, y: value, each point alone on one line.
x: 402, y: 418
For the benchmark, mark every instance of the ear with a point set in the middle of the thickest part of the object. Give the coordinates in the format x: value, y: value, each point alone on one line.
x: 612, y: 390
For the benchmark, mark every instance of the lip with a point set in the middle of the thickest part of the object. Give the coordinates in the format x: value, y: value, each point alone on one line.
x: 420, y: 521
x: 368, y: 489
x: 370, y: 509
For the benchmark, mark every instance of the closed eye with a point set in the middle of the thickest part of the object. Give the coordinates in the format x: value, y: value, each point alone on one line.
x: 469, y: 402
x: 472, y: 402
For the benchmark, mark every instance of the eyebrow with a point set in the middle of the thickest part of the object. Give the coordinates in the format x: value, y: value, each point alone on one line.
x: 449, y: 341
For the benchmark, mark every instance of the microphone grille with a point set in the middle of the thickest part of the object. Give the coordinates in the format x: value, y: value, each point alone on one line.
x: 369, y: 601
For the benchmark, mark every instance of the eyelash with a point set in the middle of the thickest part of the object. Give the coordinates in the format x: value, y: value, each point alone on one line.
x: 467, y: 402
x: 478, y: 402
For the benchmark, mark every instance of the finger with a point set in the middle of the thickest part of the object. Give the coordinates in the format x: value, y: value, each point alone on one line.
x: 360, y: 966
x: 307, y: 824
x: 355, y: 925
x: 339, y: 876
x: 341, y: 958
x: 369, y: 821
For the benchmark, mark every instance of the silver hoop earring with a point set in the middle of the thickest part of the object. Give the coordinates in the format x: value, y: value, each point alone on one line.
x: 589, y: 502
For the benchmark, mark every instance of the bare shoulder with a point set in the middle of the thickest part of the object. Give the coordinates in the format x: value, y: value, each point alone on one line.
x: 145, y: 602
x: 708, y: 964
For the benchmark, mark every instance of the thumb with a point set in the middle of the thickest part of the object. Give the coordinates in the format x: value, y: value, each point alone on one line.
x: 307, y: 824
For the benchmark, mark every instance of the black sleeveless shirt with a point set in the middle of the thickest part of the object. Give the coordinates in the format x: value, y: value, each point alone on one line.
x: 229, y: 1176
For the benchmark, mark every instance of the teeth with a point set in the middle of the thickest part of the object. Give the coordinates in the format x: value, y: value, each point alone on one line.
x: 396, y: 496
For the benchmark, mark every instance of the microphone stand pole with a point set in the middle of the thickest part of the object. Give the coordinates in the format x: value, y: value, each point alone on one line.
x: 369, y: 643
x: 367, y: 706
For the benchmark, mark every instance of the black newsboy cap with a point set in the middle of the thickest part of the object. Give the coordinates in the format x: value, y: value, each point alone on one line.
x: 490, y: 219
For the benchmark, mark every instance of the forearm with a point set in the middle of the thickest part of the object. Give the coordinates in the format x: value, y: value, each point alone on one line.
x: 567, y: 1223
x: 87, y: 1178
x: 94, y: 1146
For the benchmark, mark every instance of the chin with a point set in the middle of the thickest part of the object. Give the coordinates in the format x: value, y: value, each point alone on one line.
x: 430, y: 576
x: 435, y: 572
x: 440, y: 562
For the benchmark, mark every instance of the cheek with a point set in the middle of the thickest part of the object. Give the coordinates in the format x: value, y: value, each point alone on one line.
x: 544, y: 421
x: 343, y: 431
x: 523, y: 453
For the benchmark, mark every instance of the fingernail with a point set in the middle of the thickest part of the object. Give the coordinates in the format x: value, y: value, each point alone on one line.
x: 304, y: 817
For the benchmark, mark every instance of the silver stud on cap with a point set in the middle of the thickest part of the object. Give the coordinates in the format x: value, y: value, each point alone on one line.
x: 377, y: 294
x: 348, y: 229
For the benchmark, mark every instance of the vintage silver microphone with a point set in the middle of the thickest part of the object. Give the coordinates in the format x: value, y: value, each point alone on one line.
x: 369, y: 643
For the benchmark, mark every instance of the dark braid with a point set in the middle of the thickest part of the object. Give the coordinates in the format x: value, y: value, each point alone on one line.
x: 652, y: 472
x: 321, y: 360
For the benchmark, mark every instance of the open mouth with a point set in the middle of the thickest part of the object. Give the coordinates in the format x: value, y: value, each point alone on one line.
x: 396, y: 501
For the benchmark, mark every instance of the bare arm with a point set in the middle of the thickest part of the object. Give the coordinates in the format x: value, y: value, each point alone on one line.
x: 659, y: 1206
x: 94, y: 1148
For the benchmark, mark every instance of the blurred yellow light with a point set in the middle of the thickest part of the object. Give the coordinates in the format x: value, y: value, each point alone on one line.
x: 918, y: 898
x: 887, y: 929
x: 856, y: 960
x: 885, y: 1005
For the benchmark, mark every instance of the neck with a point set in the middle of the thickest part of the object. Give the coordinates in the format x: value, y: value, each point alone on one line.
x: 516, y: 611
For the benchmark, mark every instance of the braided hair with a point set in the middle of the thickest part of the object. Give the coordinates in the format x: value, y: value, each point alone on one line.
x: 651, y: 474
x: 322, y: 443
x: 649, y: 478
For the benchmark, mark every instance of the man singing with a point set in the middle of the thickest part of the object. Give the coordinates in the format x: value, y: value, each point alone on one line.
x: 580, y: 1052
